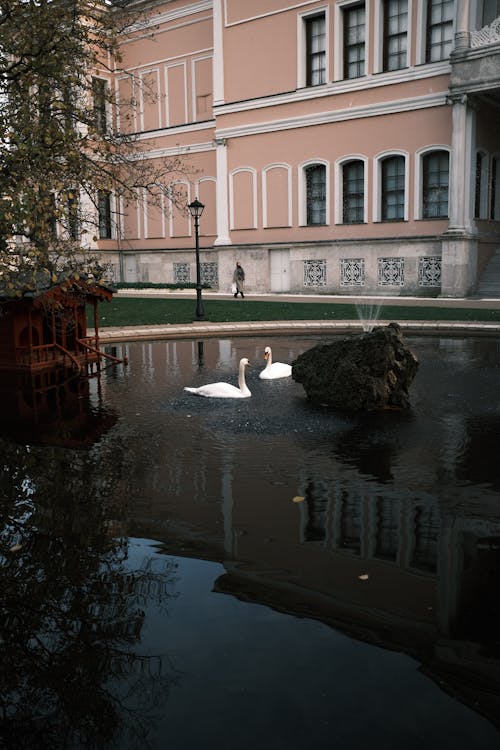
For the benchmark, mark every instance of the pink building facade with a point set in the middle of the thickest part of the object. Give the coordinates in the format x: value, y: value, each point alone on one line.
x: 339, y: 147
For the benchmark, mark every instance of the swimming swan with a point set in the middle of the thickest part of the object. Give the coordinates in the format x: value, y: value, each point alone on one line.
x: 274, y: 370
x: 225, y: 390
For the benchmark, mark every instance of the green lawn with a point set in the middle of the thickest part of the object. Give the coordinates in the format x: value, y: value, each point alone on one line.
x: 127, y: 311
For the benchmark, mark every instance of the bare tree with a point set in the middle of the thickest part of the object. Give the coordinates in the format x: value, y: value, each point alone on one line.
x: 61, y: 153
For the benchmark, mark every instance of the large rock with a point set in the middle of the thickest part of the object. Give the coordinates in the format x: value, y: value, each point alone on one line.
x: 365, y: 372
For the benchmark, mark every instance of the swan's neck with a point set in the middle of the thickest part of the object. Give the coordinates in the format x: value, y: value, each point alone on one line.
x: 269, y: 360
x: 241, y: 379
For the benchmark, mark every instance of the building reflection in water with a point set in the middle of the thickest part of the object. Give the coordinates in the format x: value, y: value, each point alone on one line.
x: 391, y: 540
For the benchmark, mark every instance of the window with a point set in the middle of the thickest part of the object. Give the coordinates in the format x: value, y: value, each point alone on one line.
x: 53, y: 216
x: 393, y: 188
x: 353, y: 192
x: 104, y: 214
x: 494, y: 210
x: 73, y: 221
x: 435, y: 181
x: 99, y: 101
x: 491, y: 10
x: 316, y: 194
x: 315, y: 50
x: 354, y: 41
x: 439, y: 29
x: 395, y: 34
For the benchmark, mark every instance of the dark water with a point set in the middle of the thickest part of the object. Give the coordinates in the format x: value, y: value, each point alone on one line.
x: 179, y: 572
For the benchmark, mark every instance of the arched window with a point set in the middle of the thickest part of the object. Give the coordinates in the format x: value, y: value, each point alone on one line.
x: 393, y: 188
x: 435, y: 184
x: 353, y: 192
x: 316, y: 194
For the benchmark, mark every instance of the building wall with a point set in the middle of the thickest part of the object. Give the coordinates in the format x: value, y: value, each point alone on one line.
x: 222, y: 86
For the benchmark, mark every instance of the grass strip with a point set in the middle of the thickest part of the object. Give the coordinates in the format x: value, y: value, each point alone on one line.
x: 128, y: 311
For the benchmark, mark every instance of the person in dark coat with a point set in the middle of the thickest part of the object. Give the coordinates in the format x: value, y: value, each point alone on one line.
x: 239, y: 280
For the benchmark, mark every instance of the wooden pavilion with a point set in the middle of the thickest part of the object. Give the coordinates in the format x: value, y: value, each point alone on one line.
x: 43, y: 324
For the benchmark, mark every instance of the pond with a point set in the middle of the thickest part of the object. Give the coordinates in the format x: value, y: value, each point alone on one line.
x: 183, y: 572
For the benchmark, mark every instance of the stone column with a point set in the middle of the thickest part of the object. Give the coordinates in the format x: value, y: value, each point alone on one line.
x: 459, y: 243
x: 461, y: 161
x: 462, y: 33
x: 218, y: 59
x: 222, y: 197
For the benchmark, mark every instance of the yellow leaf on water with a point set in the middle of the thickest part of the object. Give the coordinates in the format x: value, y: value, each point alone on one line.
x: 297, y: 499
x: 363, y: 577
x: 16, y: 548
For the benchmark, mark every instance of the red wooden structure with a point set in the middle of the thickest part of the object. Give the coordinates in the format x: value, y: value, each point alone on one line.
x: 46, y: 328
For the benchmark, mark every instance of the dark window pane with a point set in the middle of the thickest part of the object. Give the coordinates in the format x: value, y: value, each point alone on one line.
x: 104, y: 212
x: 316, y: 194
x: 353, y: 192
x: 315, y: 50
x: 395, y: 34
x: 439, y: 29
x: 393, y: 188
x: 354, y: 41
x: 435, y: 185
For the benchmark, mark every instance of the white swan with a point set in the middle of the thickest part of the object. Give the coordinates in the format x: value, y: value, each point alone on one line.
x: 225, y: 390
x: 274, y: 370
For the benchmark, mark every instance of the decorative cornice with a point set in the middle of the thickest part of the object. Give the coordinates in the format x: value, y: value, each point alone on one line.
x: 172, y: 15
x: 339, y: 115
x: 338, y: 87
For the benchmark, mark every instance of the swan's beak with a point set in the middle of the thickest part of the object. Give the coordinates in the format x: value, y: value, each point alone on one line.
x: 266, y: 355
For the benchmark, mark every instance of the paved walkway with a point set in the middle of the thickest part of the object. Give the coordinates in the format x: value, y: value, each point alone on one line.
x: 206, y: 329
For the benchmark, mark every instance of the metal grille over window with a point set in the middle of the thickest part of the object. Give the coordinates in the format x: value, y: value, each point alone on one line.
x: 352, y: 272
x: 391, y: 271
x: 314, y: 272
x: 182, y: 273
x: 209, y: 273
x: 429, y: 271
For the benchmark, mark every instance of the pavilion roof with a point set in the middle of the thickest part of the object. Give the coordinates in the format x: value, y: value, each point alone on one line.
x: 35, y: 285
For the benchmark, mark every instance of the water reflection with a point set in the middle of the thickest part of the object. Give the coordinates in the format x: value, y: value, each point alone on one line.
x: 384, y: 527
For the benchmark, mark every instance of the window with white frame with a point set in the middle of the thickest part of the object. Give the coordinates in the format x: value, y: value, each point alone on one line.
x: 490, y: 11
x: 435, y: 184
x: 393, y: 180
x: 439, y: 30
x: 315, y: 32
x: 104, y: 214
x: 494, y: 192
x: 353, y: 192
x: 395, y: 37
x: 481, y: 186
x: 99, y: 99
x: 315, y: 178
x: 354, y: 25
x: 73, y: 215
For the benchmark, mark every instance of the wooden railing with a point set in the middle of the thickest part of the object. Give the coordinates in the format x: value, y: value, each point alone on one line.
x: 43, y: 355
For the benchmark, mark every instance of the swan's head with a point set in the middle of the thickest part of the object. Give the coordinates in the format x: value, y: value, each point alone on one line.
x: 267, y: 352
x: 244, y: 361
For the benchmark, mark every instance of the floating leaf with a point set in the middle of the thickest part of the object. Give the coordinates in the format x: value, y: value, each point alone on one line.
x: 16, y: 547
x: 297, y: 499
x: 363, y: 577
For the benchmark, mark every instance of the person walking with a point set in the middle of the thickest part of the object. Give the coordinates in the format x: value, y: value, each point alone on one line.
x: 239, y: 280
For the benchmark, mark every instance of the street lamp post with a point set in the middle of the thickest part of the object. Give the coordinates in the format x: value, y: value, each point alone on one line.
x: 196, y: 210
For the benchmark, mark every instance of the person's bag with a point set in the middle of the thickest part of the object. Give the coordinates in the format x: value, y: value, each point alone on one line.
x: 233, y: 288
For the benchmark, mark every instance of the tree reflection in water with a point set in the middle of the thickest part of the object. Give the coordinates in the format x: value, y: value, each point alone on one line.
x: 71, y: 611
